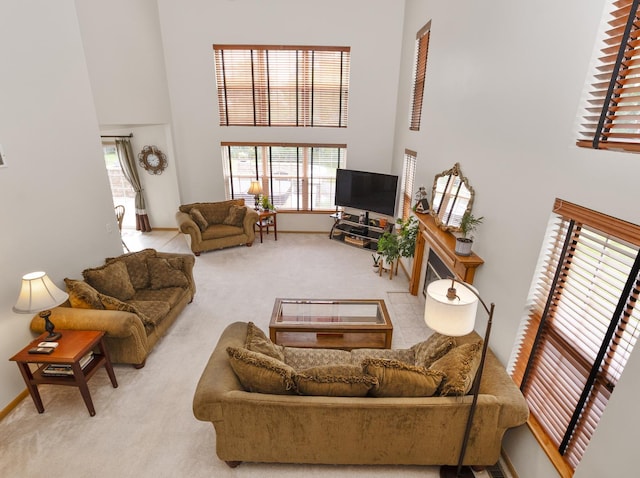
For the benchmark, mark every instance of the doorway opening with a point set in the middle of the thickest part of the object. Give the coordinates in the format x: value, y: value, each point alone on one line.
x: 121, y: 190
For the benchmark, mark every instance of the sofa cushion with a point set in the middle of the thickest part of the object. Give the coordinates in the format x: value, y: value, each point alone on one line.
x: 198, y: 218
x: 153, y: 310
x: 111, y: 279
x: 398, y: 379
x: 403, y: 355
x: 334, y: 381
x: 459, y: 366
x: 235, y: 216
x: 166, y: 272
x: 430, y: 350
x: 260, y: 373
x: 82, y: 295
x: 218, y: 231
x: 111, y: 303
x: 302, y: 358
x: 136, y: 263
x: 171, y: 295
x: 257, y: 341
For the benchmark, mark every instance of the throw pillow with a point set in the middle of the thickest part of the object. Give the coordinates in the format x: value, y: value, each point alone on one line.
x: 82, y: 295
x: 235, y: 217
x: 334, y: 381
x: 257, y: 341
x: 459, y: 367
x: 198, y: 218
x: 398, y: 379
x: 111, y: 303
x: 260, y: 373
x: 302, y: 357
x: 136, y: 263
x: 166, y: 272
x: 432, y: 349
x: 111, y: 279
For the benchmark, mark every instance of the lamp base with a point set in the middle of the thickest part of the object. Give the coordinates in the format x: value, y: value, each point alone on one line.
x: 52, y: 337
x: 451, y: 472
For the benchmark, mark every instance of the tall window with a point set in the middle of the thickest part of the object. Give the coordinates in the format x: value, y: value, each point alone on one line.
x: 295, y: 177
x: 611, y: 116
x: 282, y: 85
x: 580, y: 328
x: 422, y: 50
x: 408, y: 175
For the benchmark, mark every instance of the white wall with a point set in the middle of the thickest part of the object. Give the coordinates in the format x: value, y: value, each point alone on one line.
x: 503, y: 87
x: 55, y: 192
x: 371, y: 27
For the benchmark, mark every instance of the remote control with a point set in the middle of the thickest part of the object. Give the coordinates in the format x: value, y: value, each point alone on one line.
x: 48, y: 344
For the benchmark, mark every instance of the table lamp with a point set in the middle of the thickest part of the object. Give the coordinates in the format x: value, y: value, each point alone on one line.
x: 452, y: 312
x: 39, y: 294
x: 256, y: 190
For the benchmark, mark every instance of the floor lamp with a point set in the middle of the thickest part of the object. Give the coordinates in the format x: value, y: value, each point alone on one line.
x: 453, y: 312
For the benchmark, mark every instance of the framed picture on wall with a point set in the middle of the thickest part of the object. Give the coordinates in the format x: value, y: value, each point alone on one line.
x: 3, y: 163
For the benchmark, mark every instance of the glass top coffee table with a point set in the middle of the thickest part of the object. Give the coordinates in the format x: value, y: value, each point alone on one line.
x: 331, y: 323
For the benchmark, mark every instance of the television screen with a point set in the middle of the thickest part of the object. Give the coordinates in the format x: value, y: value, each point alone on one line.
x: 367, y: 191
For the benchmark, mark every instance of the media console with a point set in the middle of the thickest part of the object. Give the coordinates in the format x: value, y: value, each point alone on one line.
x: 349, y: 228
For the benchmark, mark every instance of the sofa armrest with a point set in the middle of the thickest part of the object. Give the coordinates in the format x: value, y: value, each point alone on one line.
x: 186, y: 225
x: 250, y: 219
x: 114, y: 323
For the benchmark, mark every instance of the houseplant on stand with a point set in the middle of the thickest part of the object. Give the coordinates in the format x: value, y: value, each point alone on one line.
x: 265, y: 204
x: 389, y: 249
x: 468, y: 224
x: 407, y: 235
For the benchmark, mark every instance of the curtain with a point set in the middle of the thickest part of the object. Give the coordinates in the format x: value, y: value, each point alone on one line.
x: 128, y: 164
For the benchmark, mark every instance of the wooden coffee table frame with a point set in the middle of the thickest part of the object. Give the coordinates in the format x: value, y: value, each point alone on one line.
x: 331, y: 335
x: 73, y: 345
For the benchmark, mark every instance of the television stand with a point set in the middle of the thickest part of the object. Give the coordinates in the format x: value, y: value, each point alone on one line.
x: 348, y: 228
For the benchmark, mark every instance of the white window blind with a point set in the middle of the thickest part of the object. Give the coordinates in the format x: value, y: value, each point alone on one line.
x: 408, y: 179
x: 262, y: 85
x: 612, y: 116
x: 420, y: 65
x: 581, y: 325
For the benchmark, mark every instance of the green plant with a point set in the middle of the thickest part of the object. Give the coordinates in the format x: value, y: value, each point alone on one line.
x: 266, y: 204
x: 376, y: 260
x: 389, y: 247
x: 469, y: 223
x: 407, y: 236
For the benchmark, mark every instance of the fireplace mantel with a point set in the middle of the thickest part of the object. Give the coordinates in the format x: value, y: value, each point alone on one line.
x: 443, y: 244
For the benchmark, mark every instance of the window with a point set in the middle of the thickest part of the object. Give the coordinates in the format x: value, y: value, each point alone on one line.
x: 121, y: 189
x: 611, y: 118
x: 422, y: 50
x: 282, y: 85
x: 296, y: 177
x: 580, y: 328
x: 408, y: 175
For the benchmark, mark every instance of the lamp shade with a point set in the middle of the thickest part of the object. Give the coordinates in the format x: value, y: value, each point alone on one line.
x: 38, y: 293
x: 255, y: 188
x: 454, y: 317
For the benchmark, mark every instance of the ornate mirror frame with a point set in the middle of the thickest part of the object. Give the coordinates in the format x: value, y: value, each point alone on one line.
x: 451, y: 197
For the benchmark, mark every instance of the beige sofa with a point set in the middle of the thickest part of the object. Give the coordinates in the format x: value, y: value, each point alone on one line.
x: 215, y: 225
x: 133, y: 298
x: 289, y: 428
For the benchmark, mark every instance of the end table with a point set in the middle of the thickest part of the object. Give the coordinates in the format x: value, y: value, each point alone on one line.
x: 267, y: 219
x: 72, y: 347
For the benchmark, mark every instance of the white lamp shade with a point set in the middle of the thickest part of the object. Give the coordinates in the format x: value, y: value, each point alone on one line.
x: 453, y: 317
x: 38, y: 293
x: 255, y: 188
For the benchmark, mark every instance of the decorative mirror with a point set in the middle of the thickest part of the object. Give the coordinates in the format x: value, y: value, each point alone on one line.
x: 152, y: 159
x: 452, y: 196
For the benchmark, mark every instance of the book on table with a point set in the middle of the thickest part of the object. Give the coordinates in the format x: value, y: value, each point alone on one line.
x: 65, y: 369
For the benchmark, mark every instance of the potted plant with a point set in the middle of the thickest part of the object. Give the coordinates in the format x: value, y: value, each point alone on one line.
x: 407, y: 235
x: 468, y: 224
x: 265, y: 204
x: 389, y: 247
x: 376, y: 262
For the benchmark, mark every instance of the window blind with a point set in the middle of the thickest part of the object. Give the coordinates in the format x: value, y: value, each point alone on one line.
x: 612, y: 115
x: 581, y: 325
x: 302, y: 86
x: 408, y: 180
x: 422, y: 50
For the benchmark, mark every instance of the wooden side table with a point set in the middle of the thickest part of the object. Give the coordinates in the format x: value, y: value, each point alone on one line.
x: 73, y: 346
x: 267, y: 219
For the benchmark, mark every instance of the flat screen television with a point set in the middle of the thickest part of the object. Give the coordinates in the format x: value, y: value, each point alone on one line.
x: 367, y: 191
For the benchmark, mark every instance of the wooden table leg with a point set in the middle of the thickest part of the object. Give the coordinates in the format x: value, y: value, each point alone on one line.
x: 32, y: 387
x: 107, y: 363
x: 81, y: 382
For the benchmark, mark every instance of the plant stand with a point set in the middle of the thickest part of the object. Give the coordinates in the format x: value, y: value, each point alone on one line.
x: 391, y: 267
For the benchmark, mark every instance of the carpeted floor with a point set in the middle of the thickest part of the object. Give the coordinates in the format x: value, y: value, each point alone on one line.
x: 145, y: 427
